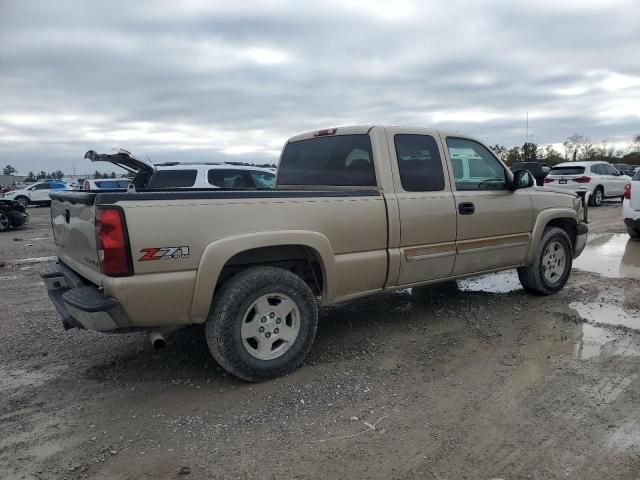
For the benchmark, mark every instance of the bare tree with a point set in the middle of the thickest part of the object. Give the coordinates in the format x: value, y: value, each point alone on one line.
x: 587, y: 149
x: 574, y: 142
x: 500, y: 151
x: 568, y: 149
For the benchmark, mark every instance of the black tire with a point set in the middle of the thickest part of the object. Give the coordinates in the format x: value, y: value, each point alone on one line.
x: 633, y: 233
x: 596, y: 200
x: 5, y: 221
x: 533, y: 277
x: 231, y: 304
x: 22, y: 200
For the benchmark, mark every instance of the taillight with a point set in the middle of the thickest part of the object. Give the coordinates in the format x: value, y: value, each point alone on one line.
x: 548, y: 180
x: 112, y: 242
x: 583, y: 179
x: 627, y: 191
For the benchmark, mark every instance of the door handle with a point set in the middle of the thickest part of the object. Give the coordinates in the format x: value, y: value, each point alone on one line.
x: 466, y: 208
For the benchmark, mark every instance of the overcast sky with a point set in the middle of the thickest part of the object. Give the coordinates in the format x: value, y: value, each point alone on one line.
x: 209, y: 80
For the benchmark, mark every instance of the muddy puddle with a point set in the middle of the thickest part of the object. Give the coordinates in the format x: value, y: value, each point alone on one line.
x: 501, y: 282
x: 599, y: 341
x: 607, y: 314
x: 613, y: 255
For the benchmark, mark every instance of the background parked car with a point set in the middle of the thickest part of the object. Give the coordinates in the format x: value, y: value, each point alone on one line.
x: 631, y: 206
x: 537, y: 169
x: 625, y: 169
x: 600, y: 179
x: 106, y: 184
x: 12, y: 215
x: 36, y: 194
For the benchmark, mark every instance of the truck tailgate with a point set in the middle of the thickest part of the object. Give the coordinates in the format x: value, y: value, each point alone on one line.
x: 73, y: 220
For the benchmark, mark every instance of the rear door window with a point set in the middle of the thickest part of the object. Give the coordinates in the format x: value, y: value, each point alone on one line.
x: 230, y: 178
x: 419, y: 163
x: 343, y: 160
x: 263, y: 179
x: 569, y: 170
x: 173, y: 179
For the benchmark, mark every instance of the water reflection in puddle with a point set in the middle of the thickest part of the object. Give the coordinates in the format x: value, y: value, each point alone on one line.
x: 612, y: 255
x: 501, y: 282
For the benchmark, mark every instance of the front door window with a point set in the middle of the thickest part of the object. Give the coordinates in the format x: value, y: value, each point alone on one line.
x: 474, y: 167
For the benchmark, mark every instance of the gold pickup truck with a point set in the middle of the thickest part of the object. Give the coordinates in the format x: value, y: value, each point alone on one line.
x: 356, y: 211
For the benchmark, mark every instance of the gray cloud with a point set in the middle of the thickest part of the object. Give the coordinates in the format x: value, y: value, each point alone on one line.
x: 205, y: 80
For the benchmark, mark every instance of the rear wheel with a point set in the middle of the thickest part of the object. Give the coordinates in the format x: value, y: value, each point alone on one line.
x: 5, y: 222
x: 552, y: 265
x: 23, y: 201
x: 262, y: 324
x: 633, y: 233
x: 595, y: 200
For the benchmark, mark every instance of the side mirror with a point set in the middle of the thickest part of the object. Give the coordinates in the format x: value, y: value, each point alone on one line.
x: 522, y: 179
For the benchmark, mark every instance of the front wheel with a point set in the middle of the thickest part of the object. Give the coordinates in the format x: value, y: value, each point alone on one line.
x: 262, y: 323
x: 5, y: 222
x: 552, y: 265
x: 633, y: 233
x: 23, y: 201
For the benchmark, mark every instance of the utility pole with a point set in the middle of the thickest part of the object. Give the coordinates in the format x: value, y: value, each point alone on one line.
x: 526, y: 138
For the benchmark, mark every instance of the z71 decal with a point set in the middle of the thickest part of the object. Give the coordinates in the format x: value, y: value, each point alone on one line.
x: 164, y: 253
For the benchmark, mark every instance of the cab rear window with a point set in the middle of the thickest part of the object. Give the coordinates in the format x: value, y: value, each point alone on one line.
x: 570, y: 170
x: 173, y: 179
x: 343, y: 160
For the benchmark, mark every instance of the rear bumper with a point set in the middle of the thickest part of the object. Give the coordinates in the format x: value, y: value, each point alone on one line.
x: 82, y: 305
x: 628, y: 212
x: 632, y: 223
x: 19, y: 219
x: 582, y: 232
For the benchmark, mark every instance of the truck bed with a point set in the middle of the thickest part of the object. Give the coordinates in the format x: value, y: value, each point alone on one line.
x: 349, y: 226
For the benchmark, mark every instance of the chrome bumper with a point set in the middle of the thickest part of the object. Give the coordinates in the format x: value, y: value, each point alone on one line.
x: 582, y: 232
x: 82, y: 305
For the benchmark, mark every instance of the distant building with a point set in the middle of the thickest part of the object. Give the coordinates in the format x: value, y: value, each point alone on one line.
x: 11, y: 179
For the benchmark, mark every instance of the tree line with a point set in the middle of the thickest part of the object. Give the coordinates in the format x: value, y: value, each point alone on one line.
x: 576, y: 147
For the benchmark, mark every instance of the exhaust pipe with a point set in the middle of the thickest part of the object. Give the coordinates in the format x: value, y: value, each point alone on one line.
x: 157, y: 339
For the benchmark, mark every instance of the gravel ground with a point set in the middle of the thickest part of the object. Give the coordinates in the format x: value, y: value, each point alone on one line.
x: 473, y: 380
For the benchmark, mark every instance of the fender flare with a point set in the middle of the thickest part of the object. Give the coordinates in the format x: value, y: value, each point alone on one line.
x: 542, y: 220
x: 218, y: 253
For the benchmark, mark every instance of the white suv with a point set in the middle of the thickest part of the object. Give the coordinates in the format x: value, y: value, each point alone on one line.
x: 36, y: 194
x: 202, y: 175
x: 631, y: 206
x: 599, y: 179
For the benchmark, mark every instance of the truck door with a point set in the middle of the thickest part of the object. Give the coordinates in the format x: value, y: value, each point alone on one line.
x: 426, y: 206
x: 494, y: 223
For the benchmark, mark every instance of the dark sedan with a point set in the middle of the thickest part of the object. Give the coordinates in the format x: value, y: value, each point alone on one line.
x: 12, y: 215
x: 624, y: 169
x: 537, y: 169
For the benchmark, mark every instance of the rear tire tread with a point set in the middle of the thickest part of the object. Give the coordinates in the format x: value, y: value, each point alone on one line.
x: 229, y: 305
